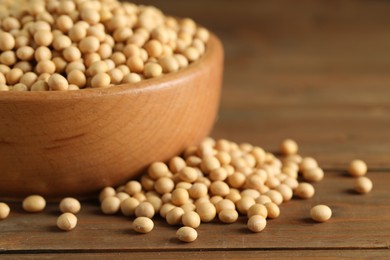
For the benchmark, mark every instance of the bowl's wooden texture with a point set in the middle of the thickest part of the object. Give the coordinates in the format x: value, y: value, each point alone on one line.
x: 76, y: 142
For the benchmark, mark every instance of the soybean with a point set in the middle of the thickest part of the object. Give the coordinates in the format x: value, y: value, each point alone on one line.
x: 363, y: 185
x: 67, y: 221
x: 4, y: 210
x: 187, y: 234
x: 69, y: 204
x: 256, y: 223
x: 143, y: 225
x: 321, y: 213
x: 357, y: 168
x: 34, y: 203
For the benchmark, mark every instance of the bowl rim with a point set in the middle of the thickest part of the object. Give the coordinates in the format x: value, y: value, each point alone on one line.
x: 142, y: 86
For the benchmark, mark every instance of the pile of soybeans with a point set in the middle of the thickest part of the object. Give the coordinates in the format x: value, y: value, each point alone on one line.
x: 76, y: 44
x: 222, y: 179
x: 217, y: 179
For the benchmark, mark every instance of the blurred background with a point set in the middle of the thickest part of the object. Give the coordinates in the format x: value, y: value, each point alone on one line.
x: 314, y: 70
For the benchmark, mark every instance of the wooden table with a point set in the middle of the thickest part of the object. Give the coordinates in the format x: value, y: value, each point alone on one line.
x: 315, y: 71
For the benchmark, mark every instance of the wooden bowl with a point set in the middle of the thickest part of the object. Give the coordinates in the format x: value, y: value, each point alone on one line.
x: 77, y: 142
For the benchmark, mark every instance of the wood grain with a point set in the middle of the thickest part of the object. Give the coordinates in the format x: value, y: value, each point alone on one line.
x: 358, y: 222
x: 316, y: 71
x: 239, y: 254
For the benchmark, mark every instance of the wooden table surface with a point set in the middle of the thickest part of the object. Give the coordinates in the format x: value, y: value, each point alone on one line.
x: 314, y: 71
